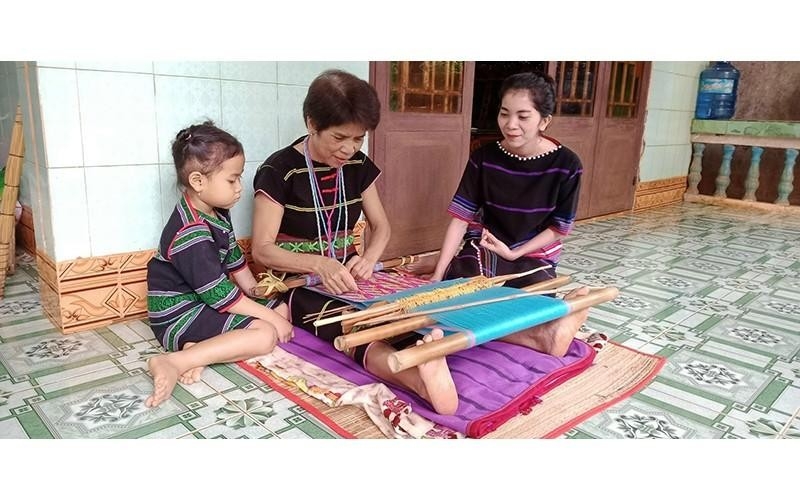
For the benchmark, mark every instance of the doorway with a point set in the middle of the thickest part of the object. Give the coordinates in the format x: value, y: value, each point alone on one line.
x: 435, y: 112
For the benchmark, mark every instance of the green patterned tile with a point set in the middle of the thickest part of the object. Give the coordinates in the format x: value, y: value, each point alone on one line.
x: 758, y: 424
x: 26, y: 328
x: 44, y: 353
x: 633, y: 419
x: 715, y: 375
x: 105, y: 410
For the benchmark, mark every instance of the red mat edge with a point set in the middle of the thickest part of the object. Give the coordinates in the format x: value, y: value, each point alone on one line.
x: 293, y: 397
x: 594, y: 411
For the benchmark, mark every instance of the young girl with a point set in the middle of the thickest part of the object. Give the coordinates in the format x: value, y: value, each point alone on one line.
x: 516, y: 200
x: 195, y: 310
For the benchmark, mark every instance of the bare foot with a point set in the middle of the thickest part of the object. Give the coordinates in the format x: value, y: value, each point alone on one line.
x: 193, y: 375
x: 553, y: 337
x: 562, y: 330
x: 435, y: 375
x: 165, y: 376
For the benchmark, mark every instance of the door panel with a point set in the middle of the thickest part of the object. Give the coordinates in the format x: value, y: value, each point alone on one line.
x: 416, y: 187
x: 619, y: 138
x: 600, y: 115
x: 421, y: 146
x: 579, y: 98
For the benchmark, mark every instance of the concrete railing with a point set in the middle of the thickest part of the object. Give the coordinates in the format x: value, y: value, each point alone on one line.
x: 754, y: 134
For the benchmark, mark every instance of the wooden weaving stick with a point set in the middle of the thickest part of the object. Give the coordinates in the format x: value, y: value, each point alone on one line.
x: 368, y: 335
x: 457, y: 307
x: 393, y: 307
x: 416, y: 355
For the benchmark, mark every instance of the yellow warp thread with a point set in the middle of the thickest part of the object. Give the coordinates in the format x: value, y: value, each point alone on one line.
x: 271, y: 283
x: 438, y: 295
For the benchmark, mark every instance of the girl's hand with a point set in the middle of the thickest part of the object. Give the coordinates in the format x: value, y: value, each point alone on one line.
x: 489, y: 242
x: 335, y: 276
x: 360, y: 268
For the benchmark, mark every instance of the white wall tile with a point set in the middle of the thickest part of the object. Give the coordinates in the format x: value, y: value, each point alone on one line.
x: 70, y: 216
x: 58, y: 94
x: 42, y: 213
x: 180, y: 102
x: 659, y: 86
x: 290, y: 113
x: 675, y: 119
x: 170, y: 191
x: 118, y: 118
x: 303, y: 72
x: 691, y: 69
x: 650, y: 136
x: 250, y: 71
x: 125, y: 66
x: 124, y: 208
x: 27, y: 184
x: 248, y: 112
x: 206, y: 69
x: 242, y: 212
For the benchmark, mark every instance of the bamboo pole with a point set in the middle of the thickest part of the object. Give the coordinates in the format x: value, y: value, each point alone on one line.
x: 394, y: 307
x: 416, y: 355
x: 456, y: 307
x: 366, y: 336
x: 10, y: 196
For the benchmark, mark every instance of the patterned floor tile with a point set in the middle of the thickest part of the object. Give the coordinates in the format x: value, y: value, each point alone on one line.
x: 104, y: 411
x: 713, y: 289
x: 713, y: 375
x: 633, y: 419
x: 25, y: 357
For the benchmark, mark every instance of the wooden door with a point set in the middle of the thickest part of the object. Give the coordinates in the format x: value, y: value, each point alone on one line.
x: 421, y: 146
x: 574, y: 121
x: 599, y: 114
x: 619, y: 139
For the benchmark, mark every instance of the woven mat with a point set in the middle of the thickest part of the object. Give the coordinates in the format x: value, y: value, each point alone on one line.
x: 617, y: 373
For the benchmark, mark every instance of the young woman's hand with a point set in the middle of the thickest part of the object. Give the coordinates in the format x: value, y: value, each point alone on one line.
x: 360, y: 268
x: 335, y: 276
x: 490, y: 242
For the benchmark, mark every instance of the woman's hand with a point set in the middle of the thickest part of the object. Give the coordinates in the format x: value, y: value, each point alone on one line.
x: 360, y: 268
x: 489, y: 242
x: 335, y: 276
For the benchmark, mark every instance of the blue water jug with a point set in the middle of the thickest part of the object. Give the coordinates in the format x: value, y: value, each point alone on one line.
x: 716, y: 92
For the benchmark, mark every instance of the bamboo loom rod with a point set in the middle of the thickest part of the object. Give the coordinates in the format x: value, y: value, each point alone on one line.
x: 457, y: 307
x: 416, y: 355
x: 393, y: 307
x: 368, y: 335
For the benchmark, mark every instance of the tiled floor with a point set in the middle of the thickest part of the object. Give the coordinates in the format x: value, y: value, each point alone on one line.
x: 715, y: 290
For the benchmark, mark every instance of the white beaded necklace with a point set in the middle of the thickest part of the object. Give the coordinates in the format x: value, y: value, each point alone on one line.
x: 526, y: 158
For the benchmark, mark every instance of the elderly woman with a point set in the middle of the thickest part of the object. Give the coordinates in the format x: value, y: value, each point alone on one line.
x: 308, y: 197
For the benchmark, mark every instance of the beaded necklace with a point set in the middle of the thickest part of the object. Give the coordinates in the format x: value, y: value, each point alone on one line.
x: 324, y: 217
x: 525, y: 158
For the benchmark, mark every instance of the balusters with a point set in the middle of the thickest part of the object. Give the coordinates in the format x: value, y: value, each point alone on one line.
x: 696, y: 167
x: 724, y: 176
x: 787, y: 178
x: 751, y: 184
